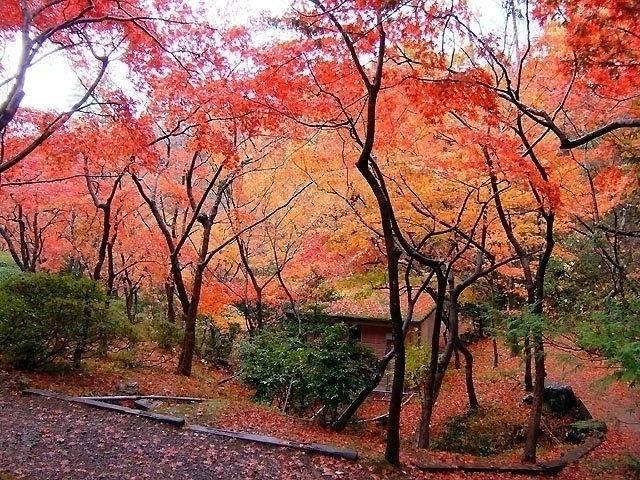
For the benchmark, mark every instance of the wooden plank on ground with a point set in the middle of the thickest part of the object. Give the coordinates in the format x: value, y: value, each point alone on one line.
x: 124, y: 398
x: 519, y: 468
x: 168, y: 419
x: 437, y: 466
x: 480, y: 467
x: 550, y: 467
x: 573, y: 455
x: 329, y: 450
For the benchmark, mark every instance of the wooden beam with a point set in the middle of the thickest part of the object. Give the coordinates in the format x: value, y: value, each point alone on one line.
x: 329, y: 450
x: 169, y: 419
x: 123, y: 398
x: 550, y: 467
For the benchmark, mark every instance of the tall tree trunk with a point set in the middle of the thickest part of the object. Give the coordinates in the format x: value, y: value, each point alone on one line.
x: 392, y: 452
x: 468, y: 368
x: 531, y: 302
x: 190, y: 316
x: 187, y: 351
x: 442, y: 364
x: 128, y: 305
x: 259, y: 309
x: 111, y: 271
x: 529, y: 454
x: 170, y: 288
x: 528, y: 381
x: 423, y: 433
x: 104, y: 239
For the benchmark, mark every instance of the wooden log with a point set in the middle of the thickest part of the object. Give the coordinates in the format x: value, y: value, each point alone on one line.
x: 518, y: 468
x: 550, y: 467
x: 572, y: 456
x: 125, y: 398
x: 169, y: 419
x: 554, y: 466
x: 384, y: 416
x: 323, y: 449
x: 437, y: 467
x: 228, y: 379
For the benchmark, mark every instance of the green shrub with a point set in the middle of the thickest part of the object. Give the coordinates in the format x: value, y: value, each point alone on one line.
x: 482, y: 432
x: 482, y: 317
x: 47, y: 317
x: 114, y: 327
x: 321, y: 370
x: 8, y: 267
x: 632, y: 464
x: 417, y: 365
x: 216, y: 344
x: 166, y: 334
x: 127, y: 358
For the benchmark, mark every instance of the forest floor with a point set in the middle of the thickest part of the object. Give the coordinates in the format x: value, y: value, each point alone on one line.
x: 42, y: 438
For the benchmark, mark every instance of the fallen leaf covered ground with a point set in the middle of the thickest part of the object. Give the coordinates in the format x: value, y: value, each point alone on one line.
x: 41, y: 438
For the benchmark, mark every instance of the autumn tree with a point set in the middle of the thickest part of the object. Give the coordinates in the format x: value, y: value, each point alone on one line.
x: 32, y: 217
x: 221, y: 149
x: 26, y: 227
x: 256, y: 276
x: 87, y: 35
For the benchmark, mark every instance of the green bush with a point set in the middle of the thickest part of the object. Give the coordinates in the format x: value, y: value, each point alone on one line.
x: 632, y: 464
x: 8, y: 267
x: 319, y: 371
x: 47, y: 317
x: 417, y: 365
x: 519, y: 325
x: 482, y: 432
x: 618, y: 466
x: 166, y: 334
x: 127, y: 358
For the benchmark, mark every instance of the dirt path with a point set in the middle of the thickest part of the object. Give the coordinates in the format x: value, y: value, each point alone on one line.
x: 51, y: 439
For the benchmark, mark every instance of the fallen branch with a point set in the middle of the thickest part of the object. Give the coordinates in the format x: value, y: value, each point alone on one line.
x: 286, y: 399
x: 315, y: 415
x: 548, y: 431
x: 384, y: 415
x: 228, y: 379
x: 158, y: 417
x: 551, y: 467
